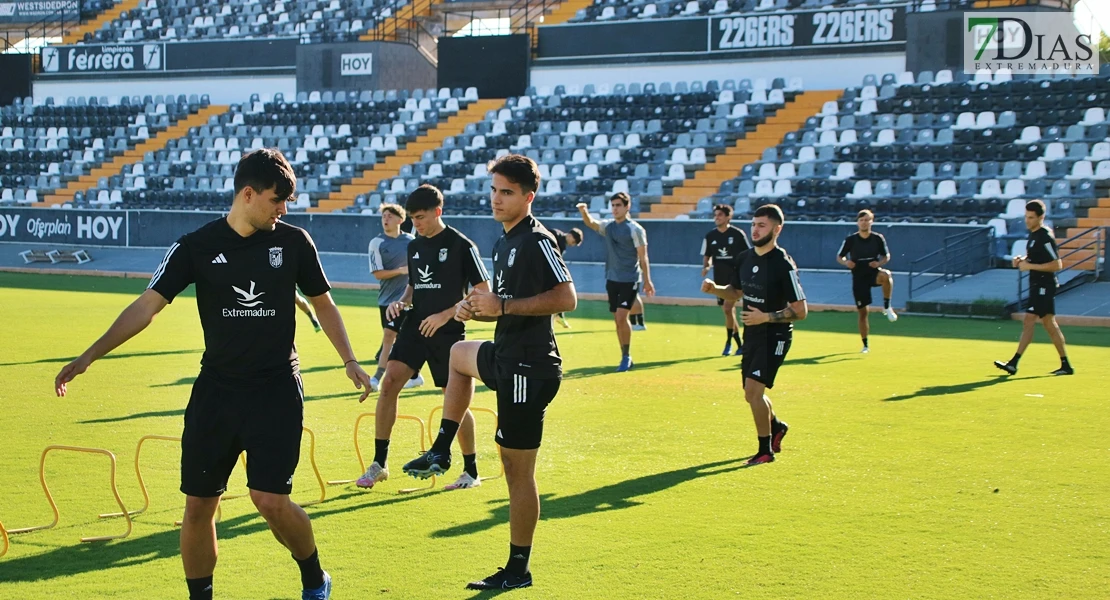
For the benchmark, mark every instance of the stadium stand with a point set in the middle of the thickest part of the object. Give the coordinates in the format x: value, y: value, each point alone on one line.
x: 620, y: 10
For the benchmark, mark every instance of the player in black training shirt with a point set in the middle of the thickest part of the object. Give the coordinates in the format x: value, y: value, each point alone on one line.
x: 767, y: 280
x: 248, y: 396
x: 1042, y: 260
x: 443, y: 265
x: 522, y: 364
x: 720, y: 250
x: 865, y: 252
x: 566, y: 240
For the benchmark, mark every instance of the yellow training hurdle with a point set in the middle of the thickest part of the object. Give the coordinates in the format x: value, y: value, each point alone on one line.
x: 362, y: 461
x: 496, y: 424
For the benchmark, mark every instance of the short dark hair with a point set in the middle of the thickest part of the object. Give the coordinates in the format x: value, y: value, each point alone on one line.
x: 396, y: 209
x: 576, y: 233
x: 771, y: 211
x: 725, y: 208
x: 861, y: 214
x: 264, y: 169
x: 425, y: 197
x: 1036, y: 207
x: 518, y: 169
x: 623, y: 197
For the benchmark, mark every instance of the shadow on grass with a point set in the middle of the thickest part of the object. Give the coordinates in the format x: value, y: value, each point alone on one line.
x: 959, y: 388
x: 616, y: 496
x: 636, y: 367
x: 66, y: 359
x: 68, y: 561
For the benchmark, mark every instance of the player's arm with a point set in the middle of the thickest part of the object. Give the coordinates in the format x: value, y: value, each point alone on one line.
x: 706, y: 256
x: 884, y: 253
x: 844, y: 252
x: 394, y: 309
x: 377, y: 265
x: 795, y: 311
x: 642, y: 256
x: 561, y: 298
x: 135, y: 318
x: 592, y: 223
x: 724, y: 292
x: 1051, y: 251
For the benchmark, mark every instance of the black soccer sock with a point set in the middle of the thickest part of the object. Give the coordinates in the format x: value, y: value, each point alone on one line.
x: 415, y: 375
x: 200, y: 588
x: 728, y: 338
x: 776, y: 424
x: 1014, y: 361
x: 518, y: 559
x: 1064, y: 362
x: 315, y: 323
x: 379, y: 373
x: 381, y: 452
x: 736, y: 336
x: 625, y: 349
x: 312, y: 576
x: 447, y: 431
x: 864, y: 340
x: 470, y: 464
x: 640, y: 319
x: 378, y: 354
x: 765, y: 445
x: 886, y: 302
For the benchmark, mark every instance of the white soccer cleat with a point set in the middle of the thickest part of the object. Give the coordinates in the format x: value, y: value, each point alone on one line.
x: 563, y: 322
x: 416, y: 382
x: 372, y: 475
x: 639, y: 328
x: 374, y: 384
x: 465, y: 481
x: 890, y: 316
x: 865, y: 350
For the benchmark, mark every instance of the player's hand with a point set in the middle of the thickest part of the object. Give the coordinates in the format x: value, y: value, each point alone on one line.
x: 704, y: 271
x: 582, y: 206
x: 873, y: 264
x: 360, y: 378
x: 754, y: 316
x: 429, y: 326
x: 649, y: 289
x: 404, y: 270
x: 484, y: 304
x: 68, y: 373
x: 851, y: 264
x: 1024, y: 266
x: 1016, y: 260
x: 462, y: 311
x: 394, y: 310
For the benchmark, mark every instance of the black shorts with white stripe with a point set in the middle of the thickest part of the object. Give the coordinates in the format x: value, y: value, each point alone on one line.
x: 763, y: 355
x: 521, y: 401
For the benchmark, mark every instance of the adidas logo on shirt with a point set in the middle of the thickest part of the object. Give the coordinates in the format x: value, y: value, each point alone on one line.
x: 755, y: 372
x: 416, y: 256
x: 219, y: 260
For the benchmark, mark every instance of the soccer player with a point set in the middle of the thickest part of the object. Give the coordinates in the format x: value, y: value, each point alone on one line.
x: 626, y: 264
x: 865, y: 252
x: 566, y: 240
x: 389, y: 265
x: 720, y: 250
x: 248, y: 395
x: 306, y: 308
x: 767, y: 280
x: 442, y: 265
x: 1042, y: 260
x: 522, y: 364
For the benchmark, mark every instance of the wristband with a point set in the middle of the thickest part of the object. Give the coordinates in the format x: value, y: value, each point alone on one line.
x: 353, y: 360
x: 502, y: 306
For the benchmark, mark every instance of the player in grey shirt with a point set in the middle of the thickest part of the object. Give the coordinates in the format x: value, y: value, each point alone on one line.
x: 389, y: 265
x: 626, y: 265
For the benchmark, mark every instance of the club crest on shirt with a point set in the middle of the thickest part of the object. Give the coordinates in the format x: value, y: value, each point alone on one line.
x: 512, y: 256
x: 275, y: 257
x: 443, y: 255
x: 755, y: 269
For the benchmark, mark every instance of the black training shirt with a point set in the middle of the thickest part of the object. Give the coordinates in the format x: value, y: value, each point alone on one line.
x: 442, y: 269
x: 245, y: 288
x: 724, y: 247
x: 1041, y: 249
x: 863, y: 251
x: 770, y: 283
x: 526, y: 263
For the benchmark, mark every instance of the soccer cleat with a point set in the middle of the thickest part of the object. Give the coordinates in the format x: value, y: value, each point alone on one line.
x: 639, y: 328
x: 739, y: 351
x: 760, y: 459
x: 777, y: 433
x: 626, y: 364
x: 890, y: 314
x: 428, y: 464
x: 727, y: 350
x: 502, y: 580
x: 321, y: 593
x: 464, y: 481
x: 1064, y: 370
x: 865, y: 350
x: 563, y: 322
x: 373, y: 475
x: 415, y: 382
x: 316, y: 325
x: 375, y: 384
x: 1010, y: 369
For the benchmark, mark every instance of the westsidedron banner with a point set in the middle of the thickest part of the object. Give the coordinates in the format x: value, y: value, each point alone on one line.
x: 37, y: 10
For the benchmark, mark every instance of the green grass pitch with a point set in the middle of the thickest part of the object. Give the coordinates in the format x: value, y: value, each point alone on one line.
x: 914, y: 472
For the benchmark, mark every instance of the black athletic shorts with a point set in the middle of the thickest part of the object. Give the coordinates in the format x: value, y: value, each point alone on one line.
x: 1042, y: 300
x: 621, y: 295
x: 521, y: 401
x: 861, y: 288
x: 222, y: 421
x: 763, y: 355
x: 414, y: 350
x: 723, y: 274
x: 395, y: 324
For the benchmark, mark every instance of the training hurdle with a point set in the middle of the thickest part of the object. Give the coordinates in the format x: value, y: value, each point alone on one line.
x: 315, y: 469
x: 4, y: 540
x: 54, y: 506
x: 362, y: 461
x: 496, y: 424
